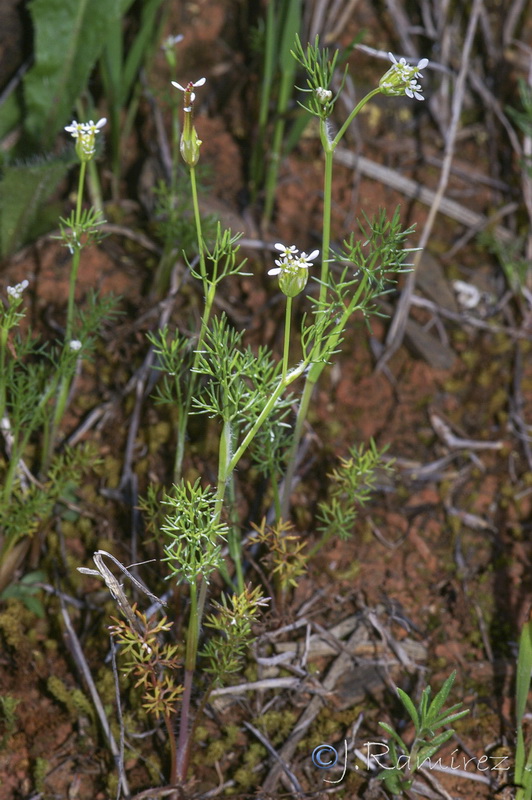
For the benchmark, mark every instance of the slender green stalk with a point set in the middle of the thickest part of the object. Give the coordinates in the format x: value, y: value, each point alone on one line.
x: 66, y: 381
x: 288, y: 25
x: 353, y: 114
x: 3, y: 348
x: 191, y: 652
x: 286, y: 350
x: 197, y: 219
x: 316, y: 370
x: 192, y: 382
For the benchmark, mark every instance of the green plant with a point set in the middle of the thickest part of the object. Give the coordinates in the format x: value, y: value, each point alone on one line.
x: 8, y: 710
x: 427, y: 718
x: 523, y: 760
x: 247, y: 393
x: 35, y: 386
x: 120, y: 64
x: 351, y: 487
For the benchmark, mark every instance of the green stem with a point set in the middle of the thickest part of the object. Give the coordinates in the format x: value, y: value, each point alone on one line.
x: 66, y: 381
x: 314, y: 373
x: 191, y: 384
x: 286, y: 349
x: 197, y: 605
x: 352, y: 115
x: 3, y: 348
x: 197, y: 219
x: 292, y: 457
x: 327, y: 202
x: 313, y: 376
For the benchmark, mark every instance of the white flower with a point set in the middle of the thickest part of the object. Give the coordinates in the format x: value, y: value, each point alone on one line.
x: 188, y: 89
x: 75, y: 345
x: 85, y: 133
x: 306, y: 261
x: 323, y: 95
x: 16, y: 291
x: 401, y: 78
x: 75, y: 128
x: 93, y: 128
x: 171, y: 41
x: 290, y: 261
x: 414, y: 90
x: 292, y: 269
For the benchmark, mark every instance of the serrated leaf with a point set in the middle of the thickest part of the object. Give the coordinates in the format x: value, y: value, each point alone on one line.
x: 69, y: 36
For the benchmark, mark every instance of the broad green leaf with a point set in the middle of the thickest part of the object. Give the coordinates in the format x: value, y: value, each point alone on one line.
x: 69, y: 36
x: 10, y: 113
x: 23, y: 190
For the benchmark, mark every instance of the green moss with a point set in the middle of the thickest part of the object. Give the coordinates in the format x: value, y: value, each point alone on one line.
x: 254, y: 754
x: 13, y: 625
x: 215, y: 752
x: 245, y: 777
x: 73, y: 698
x: 40, y: 770
x: 158, y: 435
x: 201, y: 734
x: 276, y: 724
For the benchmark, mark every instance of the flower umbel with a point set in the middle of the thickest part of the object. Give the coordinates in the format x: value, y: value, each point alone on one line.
x: 190, y: 142
x: 15, y: 292
x: 292, y: 269
x: 401, y: 78
x: 85, y: 135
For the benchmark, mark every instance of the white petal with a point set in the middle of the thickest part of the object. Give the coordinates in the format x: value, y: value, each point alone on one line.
x: 274, y: 271
x: 101, y: 122
x: 423, y: 63
x: 200, y: 82
x: 279, y: 246
x: 178, y: 86
x: 313, y: 255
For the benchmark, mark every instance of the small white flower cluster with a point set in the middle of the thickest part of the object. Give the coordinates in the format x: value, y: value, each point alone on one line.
x: 290, y: 261
x: 16, y: 291
x: 85, y: 133
x: 401, y: 78
x: 323, y: 95
x: 292, y: 269
x: 75, y: 345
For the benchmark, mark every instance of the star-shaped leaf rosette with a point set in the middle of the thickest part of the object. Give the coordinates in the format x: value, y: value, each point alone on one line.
x: 292, y: 269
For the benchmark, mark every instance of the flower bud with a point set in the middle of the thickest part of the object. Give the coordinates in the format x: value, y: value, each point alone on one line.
x: 292, y: 269
x: 190, y: 142
x: 293, y: 280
